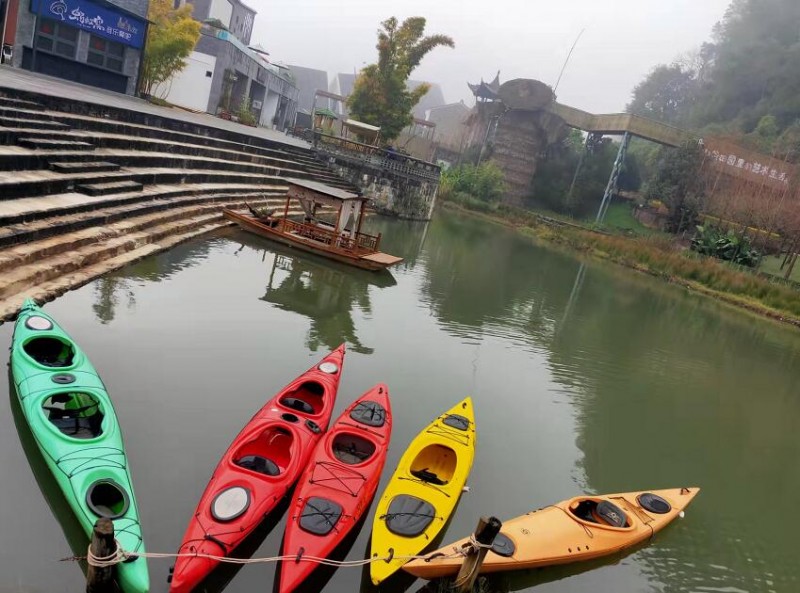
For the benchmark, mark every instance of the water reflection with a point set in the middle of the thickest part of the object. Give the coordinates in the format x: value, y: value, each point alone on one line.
x: 326, y: 294
x: 119, y: 286
x: 62, y: 512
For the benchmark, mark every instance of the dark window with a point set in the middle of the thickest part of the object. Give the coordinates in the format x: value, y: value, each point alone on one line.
x: 57, y: 38
x: 208, y: 74
x: 105, y: 53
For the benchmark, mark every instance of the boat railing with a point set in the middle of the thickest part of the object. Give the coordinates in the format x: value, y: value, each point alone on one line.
x: 360, y: 243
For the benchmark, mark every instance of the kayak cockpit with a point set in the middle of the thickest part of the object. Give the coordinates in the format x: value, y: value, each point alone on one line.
x: 75, y: 414
x: 352, y: 449
x: 435, y: 464
x: 601, y: 512
x: 107, y: 499
x: 306, y: 398
x: 50, y: 351
x: 268, y: 454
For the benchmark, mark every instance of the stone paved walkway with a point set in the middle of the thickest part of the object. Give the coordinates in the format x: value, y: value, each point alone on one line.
x: 17, y: 79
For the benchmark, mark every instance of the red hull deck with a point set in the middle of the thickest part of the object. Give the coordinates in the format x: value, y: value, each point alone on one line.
x: 257, y: 470
x: 336, y: 489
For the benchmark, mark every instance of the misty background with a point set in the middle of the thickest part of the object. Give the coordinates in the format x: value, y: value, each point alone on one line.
x: 623, y: 41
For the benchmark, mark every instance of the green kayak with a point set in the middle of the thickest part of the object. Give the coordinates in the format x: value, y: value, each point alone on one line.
x: 74, y: 424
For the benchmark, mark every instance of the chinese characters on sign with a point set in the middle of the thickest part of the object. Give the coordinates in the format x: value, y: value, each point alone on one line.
x: 97, y: 19
x: 754, y: 168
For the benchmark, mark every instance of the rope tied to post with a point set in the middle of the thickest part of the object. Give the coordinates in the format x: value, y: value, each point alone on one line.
x: 122, y: 555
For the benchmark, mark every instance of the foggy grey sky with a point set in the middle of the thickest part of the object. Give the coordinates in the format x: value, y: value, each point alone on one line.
x: 624, y: 39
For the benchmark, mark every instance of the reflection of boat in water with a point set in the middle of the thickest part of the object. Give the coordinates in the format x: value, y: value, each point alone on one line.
x: 335, y: 241
x: 324, y: 294
x: 73, y: 532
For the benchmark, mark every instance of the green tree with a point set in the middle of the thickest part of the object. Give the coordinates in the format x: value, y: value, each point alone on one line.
x: 171, y: 38
x: 380, y: 96
x: 678, y: 185
x: 667, y: 94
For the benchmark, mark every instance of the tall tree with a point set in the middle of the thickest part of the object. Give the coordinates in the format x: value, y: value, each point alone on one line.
x: 679, y: 185
x: 380, y: 96
x: 171, y: 38
x: 667, y: 94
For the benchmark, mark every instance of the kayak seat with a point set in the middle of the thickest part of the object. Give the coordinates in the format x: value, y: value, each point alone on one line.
x: 76, y: 421
x: 297, y: 404
x: 435, y: 464
x: 50, y: 352
x: 584, y: 510
x: 610, y: 514
x: 427, y: 476
x: 305, y: 398
x: 352, y: 449
x: 259, y: 464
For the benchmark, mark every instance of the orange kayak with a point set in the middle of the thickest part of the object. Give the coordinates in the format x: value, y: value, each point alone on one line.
x: 578, y: 529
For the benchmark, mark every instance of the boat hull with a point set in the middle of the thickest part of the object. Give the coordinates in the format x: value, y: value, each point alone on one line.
x: 414, y: 508
x: 555, y: 535
x: 74, y: 425
x: 252, y: 225
x: 259, y: 468
x: 337, y: 487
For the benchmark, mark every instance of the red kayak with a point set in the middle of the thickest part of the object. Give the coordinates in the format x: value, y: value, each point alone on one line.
x: 258, y: 469
x: 338, y: 485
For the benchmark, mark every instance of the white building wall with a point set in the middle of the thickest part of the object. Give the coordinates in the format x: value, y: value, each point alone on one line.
x: 191, y: 87
x: 222, y: 10
x: 268, y: 110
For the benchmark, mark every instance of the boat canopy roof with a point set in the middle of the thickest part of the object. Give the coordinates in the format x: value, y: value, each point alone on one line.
x: 321, y: 193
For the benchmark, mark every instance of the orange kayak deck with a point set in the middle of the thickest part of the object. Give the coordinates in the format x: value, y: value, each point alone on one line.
x: 557, y: 535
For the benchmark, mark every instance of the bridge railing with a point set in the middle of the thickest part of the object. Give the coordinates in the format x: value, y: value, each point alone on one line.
x: 376, y: 157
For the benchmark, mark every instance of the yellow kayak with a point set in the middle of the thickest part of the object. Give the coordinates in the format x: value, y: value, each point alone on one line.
x: 578, y: 529
x: 424, y: 490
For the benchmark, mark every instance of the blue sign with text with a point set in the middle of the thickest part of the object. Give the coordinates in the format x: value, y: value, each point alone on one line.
x: 100, y: 20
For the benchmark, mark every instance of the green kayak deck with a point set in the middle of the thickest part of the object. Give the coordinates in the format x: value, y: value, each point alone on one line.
x: 73, y: 422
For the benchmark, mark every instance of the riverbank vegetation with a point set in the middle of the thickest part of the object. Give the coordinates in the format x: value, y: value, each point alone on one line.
x: 658, y: 255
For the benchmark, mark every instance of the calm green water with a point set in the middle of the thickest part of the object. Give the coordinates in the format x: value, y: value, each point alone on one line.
x: 585, y: 378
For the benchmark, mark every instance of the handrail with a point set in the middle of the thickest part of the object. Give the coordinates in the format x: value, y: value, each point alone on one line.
x: 361, y: 242
x: 373, y: 155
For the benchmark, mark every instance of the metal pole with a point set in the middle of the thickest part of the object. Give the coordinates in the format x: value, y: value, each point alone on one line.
x: 36, y: 34
x: 3, y: 31
x: 611, y: 188
x: 579, y: 167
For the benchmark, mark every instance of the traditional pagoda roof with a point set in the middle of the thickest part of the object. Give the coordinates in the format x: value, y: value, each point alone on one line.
x: 486, y: 90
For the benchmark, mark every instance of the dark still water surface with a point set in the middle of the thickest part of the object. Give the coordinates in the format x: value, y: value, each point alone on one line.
x: 585, y: 378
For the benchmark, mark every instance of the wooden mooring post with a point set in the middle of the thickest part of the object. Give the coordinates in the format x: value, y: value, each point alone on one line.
x: 101, y: 579
x: 485, y: 533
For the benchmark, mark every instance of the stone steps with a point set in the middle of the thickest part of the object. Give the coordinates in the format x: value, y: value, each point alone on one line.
x: 48, y: 290
x: 10, y: 136
x: 31, y: 124
x: 44, y: 142
x: 130, y: 130
x: 12, y: 234
x: 70, y: 162
x: 41, y: 183
x: 45, y: 251
x: 108, y: 188
x: 84, y: 167
x: 28, y: 210
x: 17, y: 103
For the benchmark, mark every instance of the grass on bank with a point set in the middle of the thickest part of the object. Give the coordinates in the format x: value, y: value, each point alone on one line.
x: 657, y: 254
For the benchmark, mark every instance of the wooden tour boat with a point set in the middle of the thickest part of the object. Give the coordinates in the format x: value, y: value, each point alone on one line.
x: 334, y: 240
